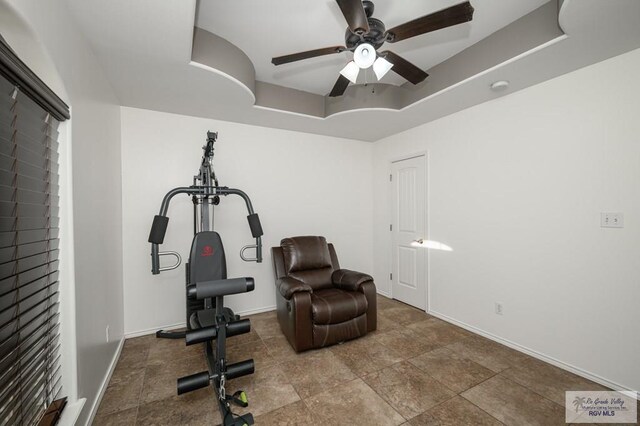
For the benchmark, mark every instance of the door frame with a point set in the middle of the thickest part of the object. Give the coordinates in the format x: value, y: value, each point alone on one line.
x: 425, y: 155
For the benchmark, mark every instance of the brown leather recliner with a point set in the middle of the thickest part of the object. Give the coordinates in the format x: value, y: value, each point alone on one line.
x: 319, y: 304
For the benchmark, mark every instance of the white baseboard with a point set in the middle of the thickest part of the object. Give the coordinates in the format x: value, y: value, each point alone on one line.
x: 257, y: 310
x: 560, y: 364
x: 105, y: 383
x: 145, y: 332
x: 385, y: 294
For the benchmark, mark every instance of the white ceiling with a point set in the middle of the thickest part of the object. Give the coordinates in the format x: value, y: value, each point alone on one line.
x: 265, y: 29
x: 145, y: 46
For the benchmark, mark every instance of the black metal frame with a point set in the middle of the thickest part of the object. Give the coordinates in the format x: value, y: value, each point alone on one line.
x: 224, y: 323
x: 200, y: 191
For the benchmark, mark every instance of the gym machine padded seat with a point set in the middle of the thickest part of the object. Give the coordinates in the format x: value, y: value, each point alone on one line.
x: 319, y: 304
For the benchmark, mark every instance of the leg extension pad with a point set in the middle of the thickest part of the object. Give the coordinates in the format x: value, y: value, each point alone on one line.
x: 202, y: 380
x: 207, y: 333
x: 193, y: 382
x: 240, y: 369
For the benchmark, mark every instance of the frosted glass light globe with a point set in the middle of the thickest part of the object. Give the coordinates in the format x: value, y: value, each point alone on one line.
x: 364, y: 56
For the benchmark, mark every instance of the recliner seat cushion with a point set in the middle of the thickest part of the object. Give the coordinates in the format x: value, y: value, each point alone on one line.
x: 330, y: 334
x: 334, y: 306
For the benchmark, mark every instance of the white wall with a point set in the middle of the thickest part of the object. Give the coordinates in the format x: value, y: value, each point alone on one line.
x: 300, y: 184
x: 91, y: 149
x: 516, y: 187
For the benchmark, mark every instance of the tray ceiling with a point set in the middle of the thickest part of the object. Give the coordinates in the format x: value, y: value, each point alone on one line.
x: 147, y: 50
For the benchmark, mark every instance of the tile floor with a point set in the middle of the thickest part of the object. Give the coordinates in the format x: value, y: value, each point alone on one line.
x: 414, y: 370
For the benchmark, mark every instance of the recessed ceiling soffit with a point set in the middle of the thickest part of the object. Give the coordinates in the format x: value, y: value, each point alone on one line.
x: 533, y: 30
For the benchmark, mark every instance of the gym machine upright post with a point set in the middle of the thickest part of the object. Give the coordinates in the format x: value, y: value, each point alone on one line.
x: 207, y: 284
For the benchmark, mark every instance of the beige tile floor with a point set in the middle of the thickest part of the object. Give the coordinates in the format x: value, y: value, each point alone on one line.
x: 414, y: 370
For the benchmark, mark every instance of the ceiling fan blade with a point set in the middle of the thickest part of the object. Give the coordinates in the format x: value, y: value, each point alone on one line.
x: 353, y: 12
x: 339, y: 87
x: 444, y: 18
x: 404, y: 68
x: 306, y: 55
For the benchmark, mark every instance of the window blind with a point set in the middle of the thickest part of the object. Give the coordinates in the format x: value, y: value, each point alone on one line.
x: 30, y: 378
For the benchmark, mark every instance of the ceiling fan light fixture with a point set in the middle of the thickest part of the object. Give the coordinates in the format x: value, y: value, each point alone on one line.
x: 351, y: 71
x: 364, y: 55
x: 381, y: 66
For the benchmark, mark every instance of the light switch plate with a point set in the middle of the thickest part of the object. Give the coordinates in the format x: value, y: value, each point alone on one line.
x: 611, y: 220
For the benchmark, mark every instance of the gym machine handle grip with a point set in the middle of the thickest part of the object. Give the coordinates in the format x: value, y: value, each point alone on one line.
x: 158, y: 229
x: 215, y: 288
x: 155, y: 259
x: 243, y: 420
x: 254, y: 224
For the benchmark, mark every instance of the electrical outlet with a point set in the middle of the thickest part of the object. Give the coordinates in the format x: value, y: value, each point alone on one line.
x: 498, y: 308
x: 107, y: 333
x: 611, y: 220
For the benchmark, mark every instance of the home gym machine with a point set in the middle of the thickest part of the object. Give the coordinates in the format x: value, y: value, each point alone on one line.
x: 207, y: 284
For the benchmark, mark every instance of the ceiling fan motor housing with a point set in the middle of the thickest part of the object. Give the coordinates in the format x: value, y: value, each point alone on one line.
x: 375, y: 36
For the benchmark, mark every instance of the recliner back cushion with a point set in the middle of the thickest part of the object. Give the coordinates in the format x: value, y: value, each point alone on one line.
x: 304, y: 253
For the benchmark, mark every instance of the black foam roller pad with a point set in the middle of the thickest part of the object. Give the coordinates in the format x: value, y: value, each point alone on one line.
x: 217, y: 288
x: 240, y: 369
x: 254, y: 224
x: 158, y: 229
x: 200, y: 335
x: 193, y: 382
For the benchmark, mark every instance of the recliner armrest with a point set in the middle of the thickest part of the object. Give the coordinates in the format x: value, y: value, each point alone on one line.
x: 349, y: 280
x: 287, y: 286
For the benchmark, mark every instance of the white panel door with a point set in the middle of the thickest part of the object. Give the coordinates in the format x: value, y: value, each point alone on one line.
x: 409, y: 264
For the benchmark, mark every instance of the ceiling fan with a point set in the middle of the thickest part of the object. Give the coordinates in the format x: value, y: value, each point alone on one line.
x: 365, y: 35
